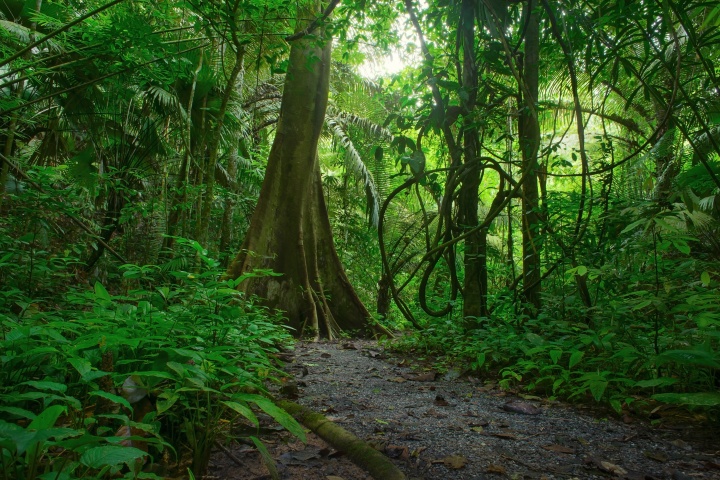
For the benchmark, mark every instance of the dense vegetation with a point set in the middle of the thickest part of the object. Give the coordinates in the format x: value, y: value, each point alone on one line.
x: 535, y: 195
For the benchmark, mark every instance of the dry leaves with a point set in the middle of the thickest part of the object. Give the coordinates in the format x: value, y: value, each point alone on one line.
x: 558, y: 448
x: 523, y: 408
x: 493, y: 468
x: 454, y: 462
x: 422, y: 377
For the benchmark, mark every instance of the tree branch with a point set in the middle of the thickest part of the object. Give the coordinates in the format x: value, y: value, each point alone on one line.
x: 314, y: 24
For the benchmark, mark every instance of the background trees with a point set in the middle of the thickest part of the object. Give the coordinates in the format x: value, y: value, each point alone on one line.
x: 543, y: 181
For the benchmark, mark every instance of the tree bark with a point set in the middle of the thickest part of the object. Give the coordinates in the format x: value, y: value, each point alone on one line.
x: 529, y: 144
x: 474, y: 258
x: 290, y: 231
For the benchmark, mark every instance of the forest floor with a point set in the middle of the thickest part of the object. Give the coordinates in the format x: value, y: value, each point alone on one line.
x: 455, y: 427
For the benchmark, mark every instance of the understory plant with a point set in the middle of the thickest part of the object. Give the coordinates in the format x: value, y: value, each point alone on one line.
x: 646, y: 343
x: 133, y: 383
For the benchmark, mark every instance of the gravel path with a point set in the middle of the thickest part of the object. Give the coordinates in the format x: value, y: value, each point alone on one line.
x: 444, y: 427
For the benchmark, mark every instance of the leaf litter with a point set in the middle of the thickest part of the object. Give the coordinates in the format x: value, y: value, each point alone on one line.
x: 453, y: 428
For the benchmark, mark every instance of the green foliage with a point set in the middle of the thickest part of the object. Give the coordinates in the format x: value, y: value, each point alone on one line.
x: 659, y: 339
x: 89, y: 376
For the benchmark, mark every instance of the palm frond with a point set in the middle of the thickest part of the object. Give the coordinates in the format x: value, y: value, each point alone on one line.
x: 366, y: 125
x: 355, y: 164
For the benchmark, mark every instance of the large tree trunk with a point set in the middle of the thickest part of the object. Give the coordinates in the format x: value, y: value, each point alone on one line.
x: 290, y: 230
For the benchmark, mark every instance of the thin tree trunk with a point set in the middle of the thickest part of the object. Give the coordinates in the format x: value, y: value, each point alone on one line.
x: 529, y: 130
x: 180, y: 195
x: 227, y: 222
x: 213, y: 149
x: 475, y: 262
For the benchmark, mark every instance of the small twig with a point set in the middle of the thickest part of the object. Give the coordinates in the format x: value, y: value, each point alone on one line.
x: 229, y: 454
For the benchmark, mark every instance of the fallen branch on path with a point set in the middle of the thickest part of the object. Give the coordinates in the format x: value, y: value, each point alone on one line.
x: 360, y: 453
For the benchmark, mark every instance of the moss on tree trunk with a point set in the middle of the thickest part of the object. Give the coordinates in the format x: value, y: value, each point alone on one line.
x: 290, y: 230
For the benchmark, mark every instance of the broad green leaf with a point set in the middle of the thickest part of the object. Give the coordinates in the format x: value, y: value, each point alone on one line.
x: 656, y: 382
x: 280, y: 415
x: 268, y: 460
x: 165, y: 401
x: 597, y: 387
x: 47, y: 418
x: 47, y: 385
x: 480, y: 359
x: 534, y: 338
x: 154, y: 374
x: 18, y: 412
x: 178, y: 368
x: 682, y: 246
x: 555, y: 355
x: 112, y: 397
x: 243, y: 410
x: 702, y: 358
x: 582, y: 270
x: 82, y: 365
x: 705, y: 278
x: 575, y: 358
x: 111, y: 455
x: 55, y: 476
x: 101, y: 293
x: 633, y: 226
x: 703, y: 399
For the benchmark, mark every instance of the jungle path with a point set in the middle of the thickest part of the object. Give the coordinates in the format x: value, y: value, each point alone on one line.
x: 450, y: 427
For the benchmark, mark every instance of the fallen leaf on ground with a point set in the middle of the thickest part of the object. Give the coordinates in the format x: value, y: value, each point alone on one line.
x: 478, y: 423
x: 422, y: 377
x: 325, y: 355
x: 451, y: 375
x: 529, y: 397
x: 349, y: 346
x: 434, y: 413
x: 397, y: 380
x: 523, y: 408
x: 558, y: 448
x: 398, y: 452
x: 506, y: 436
x: 681, y: 444
x: 492, y: 468
x: 477, y: 429
x: 454, y: 462
x: 440, y: 401
x: 657, y: 456
x: 612, y: 468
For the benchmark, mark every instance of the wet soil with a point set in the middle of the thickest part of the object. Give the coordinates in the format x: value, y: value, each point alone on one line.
x: 452, y: 427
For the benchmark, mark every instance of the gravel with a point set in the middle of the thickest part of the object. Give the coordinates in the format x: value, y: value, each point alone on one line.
x: 450, y: 427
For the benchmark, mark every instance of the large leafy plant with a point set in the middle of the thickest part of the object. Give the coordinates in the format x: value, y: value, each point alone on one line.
x: 95, y: 383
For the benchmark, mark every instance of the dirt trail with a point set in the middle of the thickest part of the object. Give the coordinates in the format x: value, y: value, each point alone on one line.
x: 444, y: 427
